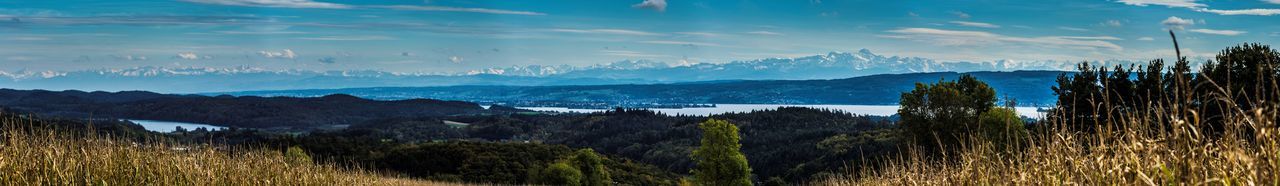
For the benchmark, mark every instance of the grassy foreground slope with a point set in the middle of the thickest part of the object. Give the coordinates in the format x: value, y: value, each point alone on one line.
x: 31, y: 153
x: 1216, y: 127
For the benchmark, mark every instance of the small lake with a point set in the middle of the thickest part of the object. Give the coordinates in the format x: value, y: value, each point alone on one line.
x: 879, y: 110
x: 169, y: 126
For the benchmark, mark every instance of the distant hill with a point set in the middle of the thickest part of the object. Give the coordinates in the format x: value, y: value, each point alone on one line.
x: 1028, y: 87
x: 245, y: 111
x: 832, y: 65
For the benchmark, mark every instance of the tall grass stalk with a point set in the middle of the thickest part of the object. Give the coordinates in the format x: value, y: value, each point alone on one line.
x: 43, y: 156
x: 1163, y: 145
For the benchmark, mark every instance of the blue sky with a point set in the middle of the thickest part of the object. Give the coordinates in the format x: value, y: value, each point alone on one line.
x: 455, y: 36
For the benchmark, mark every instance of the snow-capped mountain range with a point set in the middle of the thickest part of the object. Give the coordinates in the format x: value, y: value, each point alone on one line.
x: 832, y: 65
x: 827, y: 66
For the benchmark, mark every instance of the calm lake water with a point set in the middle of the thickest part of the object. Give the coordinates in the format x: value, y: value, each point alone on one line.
x: 879, y: 110
x: 169, y: 126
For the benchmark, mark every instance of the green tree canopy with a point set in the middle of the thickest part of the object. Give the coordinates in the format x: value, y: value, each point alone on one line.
x: 945, y: 111
x: 719, y: 159
x: 592, y: 167
x: 1003, y: 127
x: 558, y: 173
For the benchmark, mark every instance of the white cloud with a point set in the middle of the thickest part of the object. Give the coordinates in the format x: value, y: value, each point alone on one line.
x: 1112, y: 23
x: 682, y: 43
x: 259, y: 32
x: 1168, y: 3
x: 631, y: 54
x: 347, y: 38
x: 975, y: 24
x: 703, y: 34
x: 976, y: 38
x: 659, y: 5
x: 1272, y: 1
x: 455, y: 59
x: 765, y: 33
x: 130, y: 57
x: 407, y: 54
x: 324, y: 5
x: 1218, y: 32
x: 28, y: 38
x: 1177, y: 23
x: 607, y: 31
x: 283, y: 54
x: 960, y: 14
x: 1092, y: 38
x: 274, y: 3
x: 20, y: 58
x: 1073, y: 29
x: 458, y: 9
x: 1255, y: 11
x: 1194, y: 6
x: 1146, y: 39
x: 191, y: 56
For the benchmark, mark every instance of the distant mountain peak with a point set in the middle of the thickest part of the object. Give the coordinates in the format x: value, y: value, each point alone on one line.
x: 865, y: 51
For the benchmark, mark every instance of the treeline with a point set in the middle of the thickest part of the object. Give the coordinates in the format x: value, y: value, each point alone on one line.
x: 231, y: 111
x: 1239, y: 81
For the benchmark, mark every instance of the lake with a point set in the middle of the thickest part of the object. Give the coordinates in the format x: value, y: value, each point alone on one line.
x: 879, y: 110
x: 169, y: 126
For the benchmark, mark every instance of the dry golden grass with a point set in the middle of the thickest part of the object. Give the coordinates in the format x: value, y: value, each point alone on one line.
x: 34, y: 156
x: 1164, y: 146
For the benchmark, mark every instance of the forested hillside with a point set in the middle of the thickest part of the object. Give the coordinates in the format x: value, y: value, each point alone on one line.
x: 245, y: 111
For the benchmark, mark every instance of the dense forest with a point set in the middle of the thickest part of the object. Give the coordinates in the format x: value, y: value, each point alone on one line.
x: 243, y: 111
x: 643, y: 147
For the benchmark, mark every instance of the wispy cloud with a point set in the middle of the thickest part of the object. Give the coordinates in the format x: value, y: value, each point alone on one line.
x: 960, y: 14
x: 1073, y: 29
x: 975, y: 24
x: 682, y: 43
x: 976, y: 38
x: 27, y: 38
x: 283, y: 54
x: 1200, y: 7
x: 1146, y: 39
x: 325, y: 5
x: 274, y: 3
x: 1218, y: 32
x: 458, y: 9
x: 1168, y: 3
x: 607, y: 31
x: 129, y: 57
x: 259, y: 32
x: 191, y: 56
x: 765, y: 33
x: 1112, y: 23
x: 347, y: 38
x: 1092, y: 38
x: 1254, y: 11
x: 703, y: 34
x: 659, y: 5
x: 632, y: 54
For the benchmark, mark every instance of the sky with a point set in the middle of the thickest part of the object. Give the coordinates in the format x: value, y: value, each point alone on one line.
x: 441, y: 36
